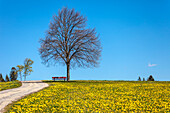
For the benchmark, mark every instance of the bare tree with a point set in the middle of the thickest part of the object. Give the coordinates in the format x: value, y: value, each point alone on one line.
x: 70, y: 42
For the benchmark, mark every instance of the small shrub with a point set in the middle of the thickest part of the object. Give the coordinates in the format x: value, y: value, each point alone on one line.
x: 7, y: 78
x: 1, y: 78
x: 150, y: 78
x: 139, y: 79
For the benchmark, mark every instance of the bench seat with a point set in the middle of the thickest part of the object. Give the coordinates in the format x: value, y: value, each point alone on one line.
x: 59, y: 78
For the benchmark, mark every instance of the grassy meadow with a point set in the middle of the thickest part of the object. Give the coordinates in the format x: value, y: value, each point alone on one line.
x: 97, y: 96
x: 9, y: 85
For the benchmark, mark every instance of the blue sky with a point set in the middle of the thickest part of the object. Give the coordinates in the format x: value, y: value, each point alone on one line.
x: 135, y: 36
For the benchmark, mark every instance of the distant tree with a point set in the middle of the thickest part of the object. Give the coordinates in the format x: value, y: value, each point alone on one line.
x: 1, y: 78
x: 20, y: 69
x: 143, y: 79
x: 13, y: 74
x: 27, y: 67
x: 7, y: 78
x: 139, y: 79
x: 150, y: 78
x: 68, y: 41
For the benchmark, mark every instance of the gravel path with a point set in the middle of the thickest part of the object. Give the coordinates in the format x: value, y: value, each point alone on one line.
x: 28, y: 87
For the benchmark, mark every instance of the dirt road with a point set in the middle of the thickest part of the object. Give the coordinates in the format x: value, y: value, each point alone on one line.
x: 28, y: 87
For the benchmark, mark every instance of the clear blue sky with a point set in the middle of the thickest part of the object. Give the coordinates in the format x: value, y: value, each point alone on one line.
x: 133, y: 34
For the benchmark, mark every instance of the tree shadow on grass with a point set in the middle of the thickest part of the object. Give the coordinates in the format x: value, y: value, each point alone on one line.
x: 79, y: 81
x: 52, y: 81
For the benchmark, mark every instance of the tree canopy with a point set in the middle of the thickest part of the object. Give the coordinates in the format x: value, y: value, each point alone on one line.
x: 27, y: 67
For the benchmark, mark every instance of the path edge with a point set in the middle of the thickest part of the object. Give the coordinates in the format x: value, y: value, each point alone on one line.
x: 6, y: 108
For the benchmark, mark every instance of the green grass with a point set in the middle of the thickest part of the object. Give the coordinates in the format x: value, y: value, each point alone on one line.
x: 97, y: 96
x: 9, y: 85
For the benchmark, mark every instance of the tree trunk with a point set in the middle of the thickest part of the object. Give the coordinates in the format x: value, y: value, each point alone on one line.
x: 68, y: 72
x: 25, y: 78
x: 20, y: 76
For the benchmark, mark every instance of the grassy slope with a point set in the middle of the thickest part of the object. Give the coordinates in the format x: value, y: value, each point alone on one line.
x: 98, y: 96
x: 9, y: 85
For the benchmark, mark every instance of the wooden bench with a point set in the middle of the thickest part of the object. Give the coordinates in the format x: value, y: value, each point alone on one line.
x: 59, y: 78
